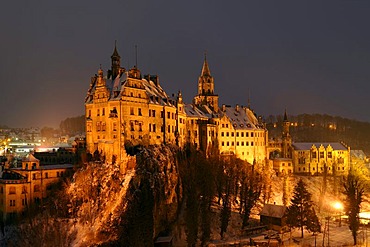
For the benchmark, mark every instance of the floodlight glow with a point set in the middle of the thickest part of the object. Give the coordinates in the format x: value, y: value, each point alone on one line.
x: 338, y: 205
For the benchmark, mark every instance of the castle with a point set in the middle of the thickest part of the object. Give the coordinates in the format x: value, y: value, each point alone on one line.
x: 125, y: 106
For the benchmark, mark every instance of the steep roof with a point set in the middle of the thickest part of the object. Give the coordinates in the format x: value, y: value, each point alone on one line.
x: 242, y: 118
x: 273, y: 210
x: 10, y: 175
x: 205, y: 69
x: 285, y: 116
x: 193, y: 111
x: 308, y: 145
x: 30, y: 158
x: 115, y: 52
x: 154, y: 91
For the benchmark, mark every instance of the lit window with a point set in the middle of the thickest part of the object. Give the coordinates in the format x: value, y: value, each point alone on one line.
x: 321, y: 155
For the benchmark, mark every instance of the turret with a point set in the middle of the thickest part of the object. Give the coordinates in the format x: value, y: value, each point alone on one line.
x: 286, y: 139
x: 116, y: 63
x: 206, y: 88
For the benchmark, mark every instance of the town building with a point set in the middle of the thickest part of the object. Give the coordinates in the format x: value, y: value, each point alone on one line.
x: 29, y: 184
x: 274, y: 217
x: 125, y: 108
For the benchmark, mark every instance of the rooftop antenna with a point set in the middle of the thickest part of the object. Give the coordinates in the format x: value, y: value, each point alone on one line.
x: 128, y: 62
x: 136, y: 55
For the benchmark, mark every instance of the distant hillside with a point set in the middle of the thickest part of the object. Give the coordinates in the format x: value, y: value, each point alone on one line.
x: 323, y: 128
x: 304, y: 128
x: 73, y: 126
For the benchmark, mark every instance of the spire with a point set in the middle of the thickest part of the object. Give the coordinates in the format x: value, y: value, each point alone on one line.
x: 116, y: 63
x: 100, y: 71
x: 115, y: 52
x: 285, y: 116
x: 205, y: 69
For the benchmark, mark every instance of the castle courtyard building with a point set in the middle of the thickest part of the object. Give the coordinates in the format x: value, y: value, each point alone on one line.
x: 318, y: 158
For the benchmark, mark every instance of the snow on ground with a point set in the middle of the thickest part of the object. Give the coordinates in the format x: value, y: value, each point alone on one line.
x: 99, y: 212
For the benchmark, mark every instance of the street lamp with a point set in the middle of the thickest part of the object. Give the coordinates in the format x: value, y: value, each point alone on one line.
x: 339, y: 207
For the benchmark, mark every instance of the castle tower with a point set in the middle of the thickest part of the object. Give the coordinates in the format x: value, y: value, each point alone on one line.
x: 206, y: 88
x: 116, y: 63
x: 286, y: 138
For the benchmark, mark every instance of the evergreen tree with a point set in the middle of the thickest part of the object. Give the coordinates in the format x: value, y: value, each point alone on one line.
x: 353, y: 190
x: 301, y: 213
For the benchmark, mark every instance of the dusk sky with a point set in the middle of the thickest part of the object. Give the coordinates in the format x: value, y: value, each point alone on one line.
x: 307, y: 57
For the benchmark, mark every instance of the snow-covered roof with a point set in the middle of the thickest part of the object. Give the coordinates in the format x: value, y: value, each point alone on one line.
x: 193, y: 111
x: 116, y: 88
x: 308, y: 145
x: 273, y: 210
x: 242, y: 118
x: 358, y: 154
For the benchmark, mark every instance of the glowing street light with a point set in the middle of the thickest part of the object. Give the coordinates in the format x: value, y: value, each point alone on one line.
x: 339, y: 207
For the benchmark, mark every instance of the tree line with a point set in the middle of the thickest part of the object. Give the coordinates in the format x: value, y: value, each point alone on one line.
x: 323, y: 128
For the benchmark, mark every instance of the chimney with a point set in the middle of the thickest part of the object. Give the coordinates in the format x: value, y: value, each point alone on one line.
x: 155, y: 79
x: 223, y: 108
x: 237, y: 108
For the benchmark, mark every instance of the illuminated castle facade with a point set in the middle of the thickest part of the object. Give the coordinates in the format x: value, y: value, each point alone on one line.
x: 125, y: 107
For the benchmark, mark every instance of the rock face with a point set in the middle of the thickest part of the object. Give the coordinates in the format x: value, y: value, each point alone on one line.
x: 158, y: 165
x: 126, y: 209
